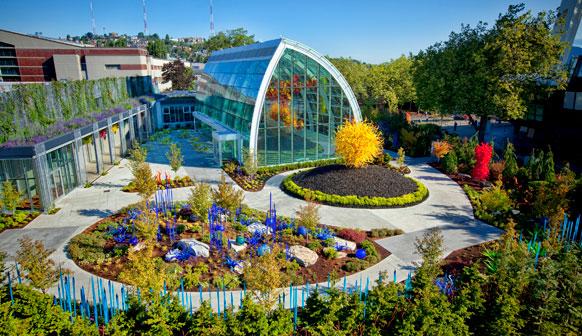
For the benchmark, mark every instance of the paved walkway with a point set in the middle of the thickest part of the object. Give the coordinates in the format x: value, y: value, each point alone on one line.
x: 447, y: 207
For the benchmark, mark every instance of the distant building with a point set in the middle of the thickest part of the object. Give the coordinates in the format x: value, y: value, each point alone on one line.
x: 193, y: 40
x: 25, y: 58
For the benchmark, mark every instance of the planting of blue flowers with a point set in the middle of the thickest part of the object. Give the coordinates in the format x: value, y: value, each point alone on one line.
x: 168, y: 244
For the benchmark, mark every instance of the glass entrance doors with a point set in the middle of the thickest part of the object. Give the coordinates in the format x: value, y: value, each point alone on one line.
x: 62, y: 173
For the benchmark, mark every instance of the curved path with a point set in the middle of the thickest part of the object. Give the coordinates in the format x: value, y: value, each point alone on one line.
x: 447, y: 207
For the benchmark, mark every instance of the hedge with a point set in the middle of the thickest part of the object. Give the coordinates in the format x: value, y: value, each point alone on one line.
x: 297, y: 165
x: 290, y: 187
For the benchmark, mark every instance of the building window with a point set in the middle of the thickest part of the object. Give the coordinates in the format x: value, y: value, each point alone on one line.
x: 113, y: 66
x: 178, y: 113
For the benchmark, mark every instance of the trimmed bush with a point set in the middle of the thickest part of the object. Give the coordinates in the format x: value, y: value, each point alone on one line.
x: 354, y: 201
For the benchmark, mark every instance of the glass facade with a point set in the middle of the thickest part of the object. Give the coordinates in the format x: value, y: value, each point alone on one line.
x: 302, y: 102
x: 20, y: 172
x: 62, y: 170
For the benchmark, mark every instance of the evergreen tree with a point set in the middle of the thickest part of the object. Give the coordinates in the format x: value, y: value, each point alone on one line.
x: 510, y: 169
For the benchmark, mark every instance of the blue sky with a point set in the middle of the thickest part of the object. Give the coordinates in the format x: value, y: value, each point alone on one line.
x: 370, y: 30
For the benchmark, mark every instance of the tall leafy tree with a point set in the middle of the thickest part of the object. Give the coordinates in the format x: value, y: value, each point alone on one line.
x: 157, y: 48
x: 391, y: 83
x: 222, y: 40
x: 497, y: 71
x: 181, y: 76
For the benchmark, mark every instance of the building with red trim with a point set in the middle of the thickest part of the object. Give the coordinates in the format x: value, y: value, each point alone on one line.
x: 26, y: 58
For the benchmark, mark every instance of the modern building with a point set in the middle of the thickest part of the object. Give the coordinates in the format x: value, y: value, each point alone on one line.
x: 26, y: 58
x: 280, y: 100
x: 79, y: 147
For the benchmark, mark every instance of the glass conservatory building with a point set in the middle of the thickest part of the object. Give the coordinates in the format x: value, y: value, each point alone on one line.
x: 280, y: 100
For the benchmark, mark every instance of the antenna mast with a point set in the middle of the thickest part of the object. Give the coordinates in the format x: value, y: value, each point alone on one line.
x: 145, y: 19
x: 93, y: 29
x: 211, y: 20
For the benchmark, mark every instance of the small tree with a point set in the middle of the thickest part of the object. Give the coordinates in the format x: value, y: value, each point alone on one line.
x: 2, y: 267
x: 264, y: 277
x: 401, y: 156
x: 549, y: 171
x: 146, y: 225
x: 175, y: 157
x: 250, y: 163
x: 510, y: 162
x: 137, y: 156
x: 200, y: 200
x: 358, y: 143
x: 10, y: 196
x: 308, y: 215
x: 145, y: 184
x: 227, y: 196
x: 430, y: 247
x: 33, y: 257
x: 450, y: 163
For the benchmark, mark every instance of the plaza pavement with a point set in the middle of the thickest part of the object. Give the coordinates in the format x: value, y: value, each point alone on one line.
x: 447, y: 207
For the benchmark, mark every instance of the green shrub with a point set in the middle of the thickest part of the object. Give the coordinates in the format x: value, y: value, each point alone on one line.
x: 355, y: 265
x: 180, y: 228
x: 355, y: 201
x: 381, y: 233
x: 227, y: 280
x: 450, y: 163
x: 495, y: 199
x: 87, y: 248
x: 120, y: 251
x: 229, y: 167
x: 314, y: 245
x: 370, y: 249
x: 330, y: 253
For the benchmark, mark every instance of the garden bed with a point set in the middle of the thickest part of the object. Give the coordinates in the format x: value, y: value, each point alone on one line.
x: 258, y: 180
x: 97, y: 250
x: 17, y: 220
x: 457, y: 260
x: 370, y: 187
x: 344, y: 181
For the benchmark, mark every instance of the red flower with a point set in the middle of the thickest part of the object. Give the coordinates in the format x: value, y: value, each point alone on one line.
x: 103, y: 134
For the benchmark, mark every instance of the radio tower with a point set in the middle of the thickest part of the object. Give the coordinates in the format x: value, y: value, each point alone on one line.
x: 145, y: 19
x: 211, y: 20
x: 93, y: 29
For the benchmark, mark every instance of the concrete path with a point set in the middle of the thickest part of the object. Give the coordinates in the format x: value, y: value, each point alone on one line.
x: 447, y: 207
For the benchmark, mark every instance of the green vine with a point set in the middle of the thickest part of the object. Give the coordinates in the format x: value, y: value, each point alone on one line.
x: 29, y: 109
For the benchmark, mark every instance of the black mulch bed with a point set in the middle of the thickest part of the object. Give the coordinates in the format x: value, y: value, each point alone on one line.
x: 371, y: 181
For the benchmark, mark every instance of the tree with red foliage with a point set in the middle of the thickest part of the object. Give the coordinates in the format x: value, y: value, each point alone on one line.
x: 483, y: 154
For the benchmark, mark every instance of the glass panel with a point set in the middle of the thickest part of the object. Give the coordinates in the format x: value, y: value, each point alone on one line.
x: 303, y: 107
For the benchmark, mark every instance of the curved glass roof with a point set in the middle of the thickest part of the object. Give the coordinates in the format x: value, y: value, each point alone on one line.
x: 238, y: 84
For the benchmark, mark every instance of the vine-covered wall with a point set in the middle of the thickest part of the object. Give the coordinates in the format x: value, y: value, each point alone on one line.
x: 34, y: 112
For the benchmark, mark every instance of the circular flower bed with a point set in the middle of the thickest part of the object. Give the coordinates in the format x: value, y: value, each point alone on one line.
x: 369, y: 187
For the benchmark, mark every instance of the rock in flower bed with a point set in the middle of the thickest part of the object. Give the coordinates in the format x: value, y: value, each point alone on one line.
x: 107, y: 248
x: 374, y: 186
